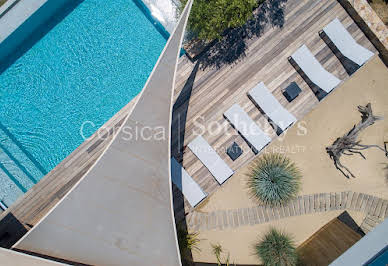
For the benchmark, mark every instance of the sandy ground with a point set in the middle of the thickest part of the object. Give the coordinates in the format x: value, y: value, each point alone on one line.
x: 381, y: 8
x: 305, y: 144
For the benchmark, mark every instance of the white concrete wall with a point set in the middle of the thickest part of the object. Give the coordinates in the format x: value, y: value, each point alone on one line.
x: 12, y: 258
x: 120, y: 213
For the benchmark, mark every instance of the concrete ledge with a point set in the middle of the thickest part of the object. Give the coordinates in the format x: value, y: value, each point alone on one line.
x: 370, y: 23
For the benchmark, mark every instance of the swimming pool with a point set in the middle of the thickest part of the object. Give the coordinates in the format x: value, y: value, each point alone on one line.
x: 85, y: 64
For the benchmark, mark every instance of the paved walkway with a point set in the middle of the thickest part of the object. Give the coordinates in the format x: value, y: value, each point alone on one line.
x: 315, y: 203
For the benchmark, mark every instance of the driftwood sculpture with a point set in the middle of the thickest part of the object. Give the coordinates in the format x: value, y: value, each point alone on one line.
x: 349, y: 145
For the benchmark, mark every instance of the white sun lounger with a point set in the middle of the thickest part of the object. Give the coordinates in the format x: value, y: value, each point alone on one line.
x: 190, y: 189
x: 345, y: 43
x: 209, y: 157
x: 314, y: 70
x: 250, y: 131
x: 261, y: 96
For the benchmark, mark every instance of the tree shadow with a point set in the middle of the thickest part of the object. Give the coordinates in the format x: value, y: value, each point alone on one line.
x: 232, y: 47
x: 385, y: 169
x: 178, y: 129
x: 11, y: 230
x: 349, y: 65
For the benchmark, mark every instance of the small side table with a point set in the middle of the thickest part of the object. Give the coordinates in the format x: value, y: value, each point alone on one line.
x: 292, y: 91
x: 234, y: 151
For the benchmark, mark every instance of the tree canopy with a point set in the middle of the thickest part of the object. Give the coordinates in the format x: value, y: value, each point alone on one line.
x: 210, y: 18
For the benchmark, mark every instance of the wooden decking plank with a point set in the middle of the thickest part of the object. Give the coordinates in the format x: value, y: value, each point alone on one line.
x: 338, y: 200
x: 332, y: 201
x: 316, y: 203
x: 327, y: 200
x: 281, y: 212
x: 306, y: 200
x: 354, y: 200
x: 373, y: 206
x: 383, y: 209
x: 231, y: 219
x: 378, y: 207
x: 344, y: 197
x: 369, y: 204
x: 246, y: 216
x: 363, y: 202
x: 269, y: 212
x: 220, y: 220
x: 311, y: 203
x: 235, y: 219
x: 241, y: 219
x: 276, y: 213
x: 349, y: 200
x: 295, y: 202
x: 322, y: 200
x: 260, y: 214
x: 225, y: 219
x: 286, y: 209
x: 301, y: 205
x: 253, y: 213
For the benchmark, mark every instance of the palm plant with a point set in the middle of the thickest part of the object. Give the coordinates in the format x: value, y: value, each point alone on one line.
x: 187, y: 242
x: 277, y: 249
x: 217, y: 251
x: 274, y: 179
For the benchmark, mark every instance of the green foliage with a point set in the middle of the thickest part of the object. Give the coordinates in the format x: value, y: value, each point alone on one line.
x: 217, y: 251
x: 210, y: 18
x: 277, y: 249
x: 274, y: 179
x: 187, y: 242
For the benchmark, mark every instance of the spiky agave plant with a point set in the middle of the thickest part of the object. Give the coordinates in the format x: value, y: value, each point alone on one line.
x: 277, y: 249
x: 274, y: 179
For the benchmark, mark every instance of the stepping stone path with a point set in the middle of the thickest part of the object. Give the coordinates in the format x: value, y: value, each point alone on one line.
x: 315, y: 203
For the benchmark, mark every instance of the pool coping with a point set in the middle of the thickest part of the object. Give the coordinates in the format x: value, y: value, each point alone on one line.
x: 7, y: 6
x: 14, y: 13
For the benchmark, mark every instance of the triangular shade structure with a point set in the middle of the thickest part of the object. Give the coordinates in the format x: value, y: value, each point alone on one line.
x: 120, y: 213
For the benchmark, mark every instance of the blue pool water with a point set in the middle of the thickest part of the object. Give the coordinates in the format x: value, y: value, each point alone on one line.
x: 87, y: 67
x: 381, y: 259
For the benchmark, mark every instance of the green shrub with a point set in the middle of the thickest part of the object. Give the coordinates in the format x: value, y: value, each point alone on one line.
x: 274, y: 179
x: 187, y: 242
x: 210, y: 18
x: 218, y: 251
x: 277, y: 249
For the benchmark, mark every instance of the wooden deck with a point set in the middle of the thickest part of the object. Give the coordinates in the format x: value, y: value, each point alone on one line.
x: 266, y: 59
x: 327, y: 244
x: 202, y: 95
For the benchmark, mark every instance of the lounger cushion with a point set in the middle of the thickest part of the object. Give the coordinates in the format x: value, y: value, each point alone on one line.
x: 209, y: 157
x: 250, y: 131
x: 345, y: 43
x: 314, y: 70
x: 190, y: 189
x: 271, y: 107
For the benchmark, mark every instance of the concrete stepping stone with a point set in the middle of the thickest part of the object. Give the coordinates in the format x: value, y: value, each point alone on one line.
x: 260, y: 214
x: 378, y: 207
x: 383, y: 210
x: 231, y: 218
x: 373, y: 206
